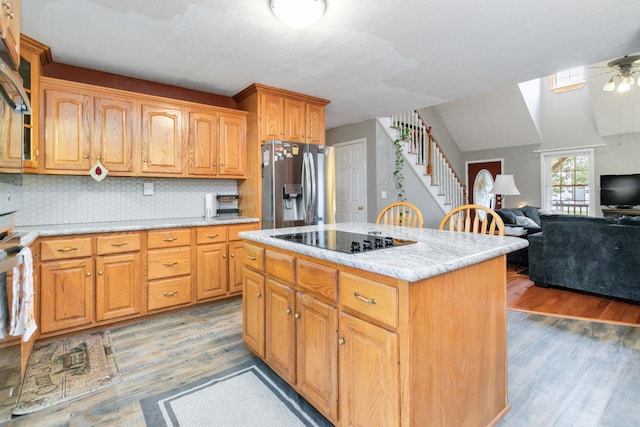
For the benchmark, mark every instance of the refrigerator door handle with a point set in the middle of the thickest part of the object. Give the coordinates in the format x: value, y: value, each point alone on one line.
x: 314, y: 191
x: 305, y: 186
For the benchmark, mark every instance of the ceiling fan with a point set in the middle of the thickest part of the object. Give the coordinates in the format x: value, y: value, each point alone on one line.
x: 626, y: 68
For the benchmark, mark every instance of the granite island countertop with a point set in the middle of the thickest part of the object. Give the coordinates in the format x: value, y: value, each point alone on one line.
x: 32, y: 232
x: 435, y: 252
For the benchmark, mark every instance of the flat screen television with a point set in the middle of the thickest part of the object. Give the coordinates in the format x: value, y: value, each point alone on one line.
x: 622, y: 191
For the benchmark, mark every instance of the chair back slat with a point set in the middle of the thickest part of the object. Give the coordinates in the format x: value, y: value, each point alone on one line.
x: 459, y: 219
x: 401, y: 213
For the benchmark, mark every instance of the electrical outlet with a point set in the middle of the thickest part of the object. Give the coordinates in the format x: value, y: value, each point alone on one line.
x: 383, y: 195
x: 147, y: 189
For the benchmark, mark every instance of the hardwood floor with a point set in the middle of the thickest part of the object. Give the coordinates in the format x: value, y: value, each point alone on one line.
x: 161, y: 353
x: 523, y: 295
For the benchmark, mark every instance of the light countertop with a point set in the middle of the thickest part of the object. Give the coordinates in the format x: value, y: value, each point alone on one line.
x: 436, y: 252
x: 31, y: 233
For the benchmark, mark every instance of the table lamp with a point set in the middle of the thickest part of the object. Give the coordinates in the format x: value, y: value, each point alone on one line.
x: 504, y: 186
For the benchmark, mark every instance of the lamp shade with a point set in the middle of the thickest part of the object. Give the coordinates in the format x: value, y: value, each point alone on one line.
x: 298, y: 14
x: 504, y: 185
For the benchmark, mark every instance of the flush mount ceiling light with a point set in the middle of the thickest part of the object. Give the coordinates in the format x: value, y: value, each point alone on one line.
x: 627, y: 68
x: 298, y: 14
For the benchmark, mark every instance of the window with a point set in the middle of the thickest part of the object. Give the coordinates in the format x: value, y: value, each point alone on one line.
x: 568, y: 181
x: 568, y: 80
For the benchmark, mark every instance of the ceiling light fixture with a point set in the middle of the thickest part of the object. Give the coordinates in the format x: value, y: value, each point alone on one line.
x: 298, y: 14
x: 627, y: 67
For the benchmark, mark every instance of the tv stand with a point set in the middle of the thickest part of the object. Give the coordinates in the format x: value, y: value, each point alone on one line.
x: 618, y: 212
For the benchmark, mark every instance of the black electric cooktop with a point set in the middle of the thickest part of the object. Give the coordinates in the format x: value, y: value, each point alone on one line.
x: 344, y: 241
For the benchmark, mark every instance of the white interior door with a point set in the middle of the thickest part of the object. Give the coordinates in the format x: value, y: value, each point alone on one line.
x: 351, y: 181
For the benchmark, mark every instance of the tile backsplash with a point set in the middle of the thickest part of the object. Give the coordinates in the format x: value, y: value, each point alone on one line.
x: 53, y: 199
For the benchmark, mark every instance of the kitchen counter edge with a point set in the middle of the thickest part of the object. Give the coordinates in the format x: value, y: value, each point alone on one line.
x: 31, y: 232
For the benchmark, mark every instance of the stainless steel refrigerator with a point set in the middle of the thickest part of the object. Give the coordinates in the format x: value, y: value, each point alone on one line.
x: 298, y: 184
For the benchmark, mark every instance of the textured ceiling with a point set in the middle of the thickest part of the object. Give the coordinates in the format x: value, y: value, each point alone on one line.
x: 369, y: 58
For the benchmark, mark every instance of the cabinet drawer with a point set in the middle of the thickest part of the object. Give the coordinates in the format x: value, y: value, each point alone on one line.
x: 117, y: 243
x: 169, y: 263
x: 66, y: 248
x: 169, y: 292
x: 372, y: 299
x: 317, y: 278
x: 169, y: 238
x: 253, y: 256
x: 280, y: 265
x: 211, y: 234
x: 235, y: 229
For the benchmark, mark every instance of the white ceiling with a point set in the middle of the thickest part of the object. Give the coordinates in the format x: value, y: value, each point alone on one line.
x: 369, y: 58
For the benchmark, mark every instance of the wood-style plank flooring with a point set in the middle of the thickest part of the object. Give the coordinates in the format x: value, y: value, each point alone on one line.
x: 161, y: 353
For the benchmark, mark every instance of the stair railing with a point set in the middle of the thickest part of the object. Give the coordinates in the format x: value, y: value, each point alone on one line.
x: 428, y: 152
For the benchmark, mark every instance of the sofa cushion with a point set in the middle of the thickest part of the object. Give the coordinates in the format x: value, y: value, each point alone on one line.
x: 526, y: 222
x: 532, y: 212
x: 508, y: 215
x: 629, y: 220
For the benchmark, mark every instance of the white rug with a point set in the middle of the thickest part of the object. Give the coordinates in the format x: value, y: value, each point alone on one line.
x: 249, y: 395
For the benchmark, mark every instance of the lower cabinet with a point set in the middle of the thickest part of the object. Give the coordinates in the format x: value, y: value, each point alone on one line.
x: 212, y: 271
x: 66, y: 294
x: 253, y: 307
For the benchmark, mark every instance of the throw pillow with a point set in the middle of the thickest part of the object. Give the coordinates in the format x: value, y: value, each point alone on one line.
x: 526, y: 222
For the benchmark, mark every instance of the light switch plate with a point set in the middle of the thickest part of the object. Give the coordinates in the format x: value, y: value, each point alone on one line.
x: 383, y: 195
x: 147, y: 189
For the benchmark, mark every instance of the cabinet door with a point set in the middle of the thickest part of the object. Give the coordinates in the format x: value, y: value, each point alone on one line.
x: 235, y: 267
x: 253, y: 311
x: 10, y: 27
x: 294, y: 120
x: 369, y: 371
x: 118, y: 286
x: 212, y: 271
x: 280, y: 352
x: 317, y: 343
x: 67, y: 130
x: 315, y: 124
x: 66, y: 289
x: 10, y: 139
x: 162, y: 138
x: 203, y: 143
x: 113, y: 133
x: 272, y: 108
x: 233, y: 145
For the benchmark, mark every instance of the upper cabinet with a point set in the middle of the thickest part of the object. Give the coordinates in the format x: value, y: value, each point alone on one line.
x: 10, y: 29
x: 217, y: 144
x: 137, y: 135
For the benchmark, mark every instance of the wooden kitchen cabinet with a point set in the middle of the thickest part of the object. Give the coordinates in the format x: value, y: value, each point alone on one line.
x: 212, y: 271
x: 217, y: 144
x: 253, y: 306
x: 10, y: 29
x: 272, y: 108
x: 369, y: 388
x: 83, y: 126
x: 10, y: 140
x: 280, y: 330
x: 67, y: 294
x: 119, y: 289
x: 236, y: 253
x: 67, y: 117
x: 162, y: 139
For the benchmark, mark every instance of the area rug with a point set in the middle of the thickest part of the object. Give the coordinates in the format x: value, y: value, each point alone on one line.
x: 247, y: 395
x: 64, y: 369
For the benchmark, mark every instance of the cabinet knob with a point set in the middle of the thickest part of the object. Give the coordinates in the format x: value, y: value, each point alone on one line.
x: 224, y: 257
x: 86, y: 156
x: 97, y: 157
x: 341, y: 341
x: 10, y: 15
x: 88, y: 274
x: 221, y: 163
x: 288, y: 311
x: 259, y: 295
x: 233, y: 255
x: 99, y: 272
x: 215, y: 164
x: 297, y: 315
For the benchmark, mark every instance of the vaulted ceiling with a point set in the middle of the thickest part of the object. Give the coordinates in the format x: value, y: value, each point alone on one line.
x: 369, y: 58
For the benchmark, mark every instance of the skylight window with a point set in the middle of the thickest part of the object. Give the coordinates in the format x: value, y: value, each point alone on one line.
x: 568, y: 80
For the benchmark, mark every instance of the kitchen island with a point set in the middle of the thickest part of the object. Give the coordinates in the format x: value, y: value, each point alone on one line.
x: 407, y: 335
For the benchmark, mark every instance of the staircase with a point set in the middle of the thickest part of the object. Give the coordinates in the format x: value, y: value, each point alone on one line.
x: 423, y: 153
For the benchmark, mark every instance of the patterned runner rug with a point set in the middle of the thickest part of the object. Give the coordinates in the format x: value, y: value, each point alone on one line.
x: 64, y: 369
x: 247, y: 395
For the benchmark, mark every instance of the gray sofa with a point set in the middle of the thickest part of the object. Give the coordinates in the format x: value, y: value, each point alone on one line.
x: 591, y: 254
x: 527, y: 217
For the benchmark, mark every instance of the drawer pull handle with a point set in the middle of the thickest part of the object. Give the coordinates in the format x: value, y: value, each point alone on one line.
x: 211, y: 236
x: 67, y: 249
x: 169, y: 239
x: 170, y: 294
x: 364, y: 299
x: 252, y: 257
x: 169, y: 264
x: 120, y: 244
